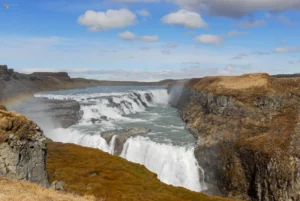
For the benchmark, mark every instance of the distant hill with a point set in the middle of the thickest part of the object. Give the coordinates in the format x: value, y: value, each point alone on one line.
x: 13, y: 84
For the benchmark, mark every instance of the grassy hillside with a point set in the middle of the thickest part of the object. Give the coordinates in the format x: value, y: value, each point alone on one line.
x: 91, y: 171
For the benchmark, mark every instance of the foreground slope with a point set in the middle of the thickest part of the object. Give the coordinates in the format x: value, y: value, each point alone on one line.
x: 12, y: 190
x: 248, y: 134
x: 91, y: 171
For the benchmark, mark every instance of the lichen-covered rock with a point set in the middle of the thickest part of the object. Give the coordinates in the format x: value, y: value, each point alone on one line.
x: 22, y: 149
x: 247, y: 134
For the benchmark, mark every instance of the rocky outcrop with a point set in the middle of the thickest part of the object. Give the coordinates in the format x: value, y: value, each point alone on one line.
x: 58, y: 75
x: 247, y: 132
x: 22, y: 149
x: 122, y: 136
x: 16, y: 85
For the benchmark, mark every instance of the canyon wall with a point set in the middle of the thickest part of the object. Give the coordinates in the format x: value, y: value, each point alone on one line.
x: 247, y: 134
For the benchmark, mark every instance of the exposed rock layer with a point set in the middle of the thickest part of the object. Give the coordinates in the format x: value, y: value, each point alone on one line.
x: 247, y: 133
x: 22, y: 149
x: 122, y: 136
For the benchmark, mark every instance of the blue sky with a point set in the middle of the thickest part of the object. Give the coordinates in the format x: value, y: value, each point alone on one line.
x: 150, y: 39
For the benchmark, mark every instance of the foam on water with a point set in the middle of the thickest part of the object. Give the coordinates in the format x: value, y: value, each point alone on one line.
x: 83, y: 139
x: 113, y: 106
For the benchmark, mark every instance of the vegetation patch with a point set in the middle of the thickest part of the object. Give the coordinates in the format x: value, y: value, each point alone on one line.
x: 91, y: 171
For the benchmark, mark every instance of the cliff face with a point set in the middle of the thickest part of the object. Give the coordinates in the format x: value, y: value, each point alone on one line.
x: 247, y: 134
x: 13, y: 84
x: 22, y: 149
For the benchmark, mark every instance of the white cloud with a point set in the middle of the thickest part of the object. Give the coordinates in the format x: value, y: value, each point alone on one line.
x: 111, y: 19
x: 144, y: 48
x: 285, y: 20
x: 235, y: 33
x: 73, y: 54
x: 149, y: 38
x: 166, y: 52
x: 32, y: 70
x: 127, y: 35
x: 252, y: 23
x: 209, y: 39
x: 283, y: 42
x: 143, y: 13
x: 237, y: 8
x: 286, y: 49
x: 184, y: 18
x: 171, y: 45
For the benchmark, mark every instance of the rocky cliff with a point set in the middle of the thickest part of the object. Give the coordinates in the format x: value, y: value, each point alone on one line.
x: 247, y: 130
x: 14, y: 85
x: 22, y: 149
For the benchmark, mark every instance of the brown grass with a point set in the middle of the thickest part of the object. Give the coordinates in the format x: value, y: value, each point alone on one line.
x: 19, y: 125
x: 12, y: 190
x: 2, y: 107
x: 246, y: 87
x: 232, y: 82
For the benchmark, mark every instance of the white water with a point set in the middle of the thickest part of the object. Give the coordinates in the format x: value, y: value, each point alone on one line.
x: 76, y: 137
x: 174, y: 165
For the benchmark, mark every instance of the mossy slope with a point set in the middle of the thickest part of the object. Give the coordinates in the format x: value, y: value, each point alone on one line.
x: 91, y: 171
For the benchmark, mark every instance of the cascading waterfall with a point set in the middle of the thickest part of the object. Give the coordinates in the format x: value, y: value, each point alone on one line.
x: 173, y: 164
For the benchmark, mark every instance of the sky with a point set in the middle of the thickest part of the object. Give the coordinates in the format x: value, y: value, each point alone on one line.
x: 149, y: 40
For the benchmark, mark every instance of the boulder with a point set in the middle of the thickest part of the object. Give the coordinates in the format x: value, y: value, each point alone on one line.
x: 57, y: 185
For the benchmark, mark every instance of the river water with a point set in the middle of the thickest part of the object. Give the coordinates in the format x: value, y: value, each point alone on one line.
x: 166, y: 150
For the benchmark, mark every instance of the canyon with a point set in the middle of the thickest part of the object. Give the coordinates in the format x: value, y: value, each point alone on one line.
x: 246, y: 129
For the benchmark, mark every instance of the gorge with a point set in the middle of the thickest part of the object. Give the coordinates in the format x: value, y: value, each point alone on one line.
x: 243, y: 144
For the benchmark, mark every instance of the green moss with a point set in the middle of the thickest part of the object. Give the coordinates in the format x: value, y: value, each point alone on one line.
x: 115, y: 179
